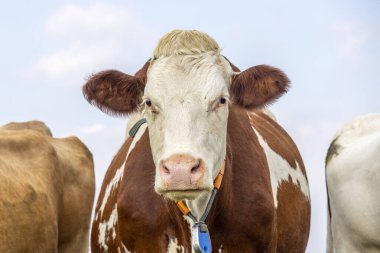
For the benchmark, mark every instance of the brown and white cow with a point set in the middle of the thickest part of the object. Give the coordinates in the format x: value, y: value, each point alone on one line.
x: 200, y: 110
x: 47, y: 188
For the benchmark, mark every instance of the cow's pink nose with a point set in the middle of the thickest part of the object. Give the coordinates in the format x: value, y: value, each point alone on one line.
x: 181, y: 172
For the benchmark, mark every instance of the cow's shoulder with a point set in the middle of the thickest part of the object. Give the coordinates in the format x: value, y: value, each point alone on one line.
x: 28, y: 162
x: 283, y: 158
x: 105, y: 230
x: 33, y: 139
x: 35, y: 125
x: 75, y: 158
x: 288, y: 180
x: 23, y: 138
x: 22, y: 143
x: 353, y: 155
x: 275, y: 136
x: 112, y: 179
x: 30, y: 152
x: 363, y: 129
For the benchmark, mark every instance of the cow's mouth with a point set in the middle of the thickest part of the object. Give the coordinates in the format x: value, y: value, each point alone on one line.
x: 189, y: 194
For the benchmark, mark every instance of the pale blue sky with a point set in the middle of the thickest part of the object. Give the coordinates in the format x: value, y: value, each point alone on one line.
x: 329, y: 49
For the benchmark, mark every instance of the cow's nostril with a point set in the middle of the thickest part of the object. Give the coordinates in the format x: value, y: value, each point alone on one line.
x: 165, y: 169
x: 195, y: 168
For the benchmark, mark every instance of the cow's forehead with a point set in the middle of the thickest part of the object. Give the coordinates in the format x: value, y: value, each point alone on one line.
x: 188, y: 75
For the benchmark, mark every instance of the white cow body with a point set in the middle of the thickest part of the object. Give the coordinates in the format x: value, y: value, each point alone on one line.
x: 353, y: 183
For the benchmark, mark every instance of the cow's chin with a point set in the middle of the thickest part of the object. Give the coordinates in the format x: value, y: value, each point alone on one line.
x: 177, y: 195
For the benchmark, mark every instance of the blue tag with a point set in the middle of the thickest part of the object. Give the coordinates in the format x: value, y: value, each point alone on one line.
x: 200, y: 238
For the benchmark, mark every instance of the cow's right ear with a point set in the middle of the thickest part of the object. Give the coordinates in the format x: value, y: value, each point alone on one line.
x: 114, y: 92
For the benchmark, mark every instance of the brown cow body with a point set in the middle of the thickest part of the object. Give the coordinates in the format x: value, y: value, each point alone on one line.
x: 47, y: 188
x: 243, y: 217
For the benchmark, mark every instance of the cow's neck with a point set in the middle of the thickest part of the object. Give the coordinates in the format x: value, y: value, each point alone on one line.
x: 198, y: 206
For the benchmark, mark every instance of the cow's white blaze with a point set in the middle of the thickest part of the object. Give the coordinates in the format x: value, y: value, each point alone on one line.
x: 185, y: 116
x: 280, y: 170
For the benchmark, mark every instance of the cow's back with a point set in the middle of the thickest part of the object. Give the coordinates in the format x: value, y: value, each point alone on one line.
x: 47, y: 188
x: 352, y: 174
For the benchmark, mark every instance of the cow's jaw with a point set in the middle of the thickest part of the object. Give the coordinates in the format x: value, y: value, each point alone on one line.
x: 187, y: 122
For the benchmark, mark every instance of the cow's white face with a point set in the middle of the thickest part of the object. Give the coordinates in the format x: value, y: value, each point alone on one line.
x: 186, y: 106
x: 185, y: 91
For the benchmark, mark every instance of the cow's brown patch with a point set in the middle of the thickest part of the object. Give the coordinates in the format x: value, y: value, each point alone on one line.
x: 333, y: 150
x: 293, y: 218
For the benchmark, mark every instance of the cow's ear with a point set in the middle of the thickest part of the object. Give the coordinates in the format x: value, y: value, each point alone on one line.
x: 114, y: 92
x: 258, y: 86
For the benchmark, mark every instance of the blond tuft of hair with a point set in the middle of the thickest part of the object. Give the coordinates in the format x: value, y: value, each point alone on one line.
x: 185, y: 42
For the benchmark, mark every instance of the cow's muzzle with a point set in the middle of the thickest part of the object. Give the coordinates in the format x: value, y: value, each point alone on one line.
x: 181, y: 176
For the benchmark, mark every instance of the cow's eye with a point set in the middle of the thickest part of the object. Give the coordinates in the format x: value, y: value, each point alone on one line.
x: 221, y: 102
x: 148, y: 103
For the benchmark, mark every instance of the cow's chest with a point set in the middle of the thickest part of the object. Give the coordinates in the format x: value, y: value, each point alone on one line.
x: 164, y: 229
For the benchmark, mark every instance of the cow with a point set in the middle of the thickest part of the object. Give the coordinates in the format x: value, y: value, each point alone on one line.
x: 202, y: 127
x: 353, y: 187
x: 47, y: 189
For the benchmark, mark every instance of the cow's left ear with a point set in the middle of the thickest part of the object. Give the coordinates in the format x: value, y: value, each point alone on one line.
x: 258, y: 86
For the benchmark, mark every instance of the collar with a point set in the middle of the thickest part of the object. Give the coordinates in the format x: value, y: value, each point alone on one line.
x: 217, y: 182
